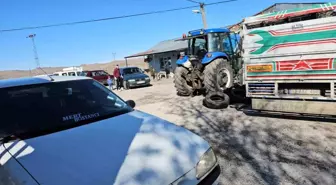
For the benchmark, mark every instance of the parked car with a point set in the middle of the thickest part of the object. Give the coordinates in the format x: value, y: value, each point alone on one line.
x: 66, y: 130
x: 99, y: 75
x: 134, y: 77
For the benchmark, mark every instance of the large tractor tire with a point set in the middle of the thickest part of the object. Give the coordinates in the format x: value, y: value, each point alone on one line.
x: 218, y: 76
x: 181, y: 85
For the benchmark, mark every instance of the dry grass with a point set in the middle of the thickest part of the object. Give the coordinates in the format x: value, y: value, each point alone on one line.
x: 109, y: 67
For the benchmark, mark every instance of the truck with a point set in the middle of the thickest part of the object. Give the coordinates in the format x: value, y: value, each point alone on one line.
x: 285, y: 61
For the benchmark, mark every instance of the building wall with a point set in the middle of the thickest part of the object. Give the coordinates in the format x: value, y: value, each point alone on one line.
x: 158, y: 60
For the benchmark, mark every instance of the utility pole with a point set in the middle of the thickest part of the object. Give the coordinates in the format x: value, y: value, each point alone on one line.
x: 202, y: 12
x: 114, y: 54
x: 205, y: 24
x: 32, y: 37
x: 126, y: 62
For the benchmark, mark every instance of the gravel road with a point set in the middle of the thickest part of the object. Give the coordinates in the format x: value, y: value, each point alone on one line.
x: 251, y: 149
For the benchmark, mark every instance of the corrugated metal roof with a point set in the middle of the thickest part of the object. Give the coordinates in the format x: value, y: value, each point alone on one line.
x: 163, y: 47
x: 284, y: 6
x: 281, y: 5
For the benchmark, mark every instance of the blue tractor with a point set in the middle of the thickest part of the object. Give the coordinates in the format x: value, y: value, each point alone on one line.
x: 212, y: 62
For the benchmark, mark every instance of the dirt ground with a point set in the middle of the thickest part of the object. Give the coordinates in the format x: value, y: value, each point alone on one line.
x: 251, y: 149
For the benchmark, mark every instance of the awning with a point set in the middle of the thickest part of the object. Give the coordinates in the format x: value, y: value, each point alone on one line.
x: 163, y: 47
x: 145, y: 53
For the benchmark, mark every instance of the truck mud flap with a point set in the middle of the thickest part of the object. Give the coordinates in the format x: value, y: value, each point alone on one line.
x: 295, y: 106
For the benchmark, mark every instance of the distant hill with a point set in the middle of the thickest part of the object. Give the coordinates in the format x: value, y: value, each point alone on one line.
x: 108, y: 67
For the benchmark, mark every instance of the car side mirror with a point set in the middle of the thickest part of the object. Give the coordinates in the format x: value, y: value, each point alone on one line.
x: 131, y: 103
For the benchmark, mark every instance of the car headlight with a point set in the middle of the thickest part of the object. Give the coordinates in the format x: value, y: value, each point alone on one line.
x: 207, y: 162
x: 131, y: 80
x: 147, y: 78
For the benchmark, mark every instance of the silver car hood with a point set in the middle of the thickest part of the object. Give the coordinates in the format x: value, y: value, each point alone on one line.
x: 134, y: 148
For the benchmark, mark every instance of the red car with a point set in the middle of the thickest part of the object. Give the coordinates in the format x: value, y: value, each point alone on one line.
x: 99, y: 75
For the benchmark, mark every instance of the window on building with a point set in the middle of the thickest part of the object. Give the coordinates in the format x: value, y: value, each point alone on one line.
x: 165, y: 62
x: 161, y: 63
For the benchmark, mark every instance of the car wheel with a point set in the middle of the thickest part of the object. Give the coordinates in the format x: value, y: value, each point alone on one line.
x: 126, y: 85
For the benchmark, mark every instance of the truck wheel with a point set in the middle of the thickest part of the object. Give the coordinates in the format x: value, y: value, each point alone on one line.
x: 181, y: 84
x: 218, y: 75
x: 126, y: 86
x: 216, y: 100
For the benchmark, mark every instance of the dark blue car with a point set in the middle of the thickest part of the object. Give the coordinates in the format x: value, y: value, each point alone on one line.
x: 134, y: 77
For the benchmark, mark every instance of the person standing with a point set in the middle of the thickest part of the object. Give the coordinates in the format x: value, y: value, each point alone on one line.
x: 152, y: 72
x: 167, y: 70
x: 110, y: 83
x: 121, y: 82
x: 117, y: 76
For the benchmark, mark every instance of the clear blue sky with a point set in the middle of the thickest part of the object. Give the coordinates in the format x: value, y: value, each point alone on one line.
x: 95, y: 42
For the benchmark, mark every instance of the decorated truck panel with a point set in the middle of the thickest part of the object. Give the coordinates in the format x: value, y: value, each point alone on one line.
x: 291, y: 60
x: 290, y: 51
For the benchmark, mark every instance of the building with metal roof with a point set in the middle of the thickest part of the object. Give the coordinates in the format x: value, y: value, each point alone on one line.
x: 168, y: 51
x: 164, y: 53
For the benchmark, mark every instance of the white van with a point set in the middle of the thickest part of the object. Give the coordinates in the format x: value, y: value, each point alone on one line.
x: 70, y: 71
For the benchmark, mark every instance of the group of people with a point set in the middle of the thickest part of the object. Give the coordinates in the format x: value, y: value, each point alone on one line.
x: 117, y: 77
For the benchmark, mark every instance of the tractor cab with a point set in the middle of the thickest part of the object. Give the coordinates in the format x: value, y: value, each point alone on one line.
x: 205, y: 45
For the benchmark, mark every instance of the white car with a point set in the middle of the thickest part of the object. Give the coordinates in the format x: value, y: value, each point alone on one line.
x: 74, y: 131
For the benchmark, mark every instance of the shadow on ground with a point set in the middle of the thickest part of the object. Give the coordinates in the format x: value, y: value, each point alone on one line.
x: 319, y: 118
x: 258, y: 150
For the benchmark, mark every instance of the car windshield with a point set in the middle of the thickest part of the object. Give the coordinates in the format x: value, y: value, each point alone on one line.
x: 56, y: 105
x: 84, y: 73
x: 131, y: 70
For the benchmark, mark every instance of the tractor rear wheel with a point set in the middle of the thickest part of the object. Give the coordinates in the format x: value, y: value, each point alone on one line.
x: 218, y: 76
x: 183, y: 88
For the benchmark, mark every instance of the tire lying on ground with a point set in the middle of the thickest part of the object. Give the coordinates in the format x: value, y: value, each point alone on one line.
x: 181, y: 85
x: 216, y: 100
x: 218, y: 75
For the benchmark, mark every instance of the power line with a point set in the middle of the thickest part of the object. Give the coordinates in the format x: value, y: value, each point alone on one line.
x: 219, y: 2
x: 95, y: 20
x: 193, y: 1
x: 111, y: 18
